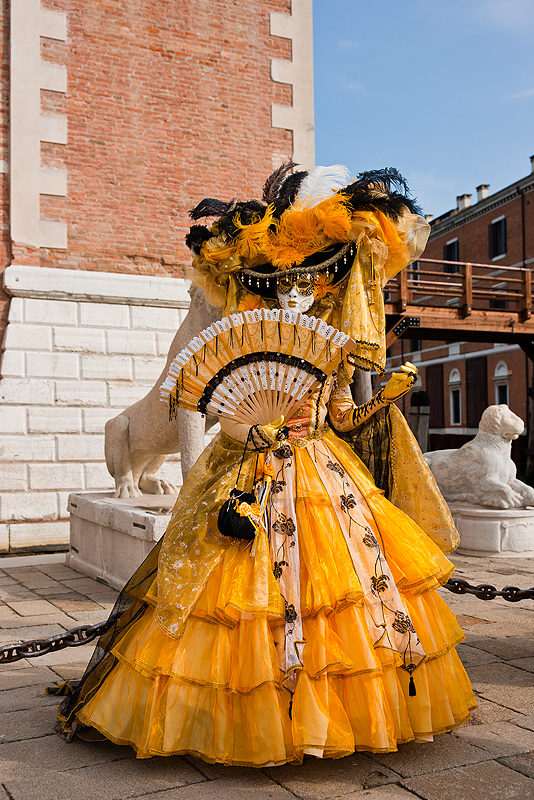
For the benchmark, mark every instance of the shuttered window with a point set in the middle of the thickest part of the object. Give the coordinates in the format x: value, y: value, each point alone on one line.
x: 497, y: 237
x: 434, y: 389
x: 476, y: 370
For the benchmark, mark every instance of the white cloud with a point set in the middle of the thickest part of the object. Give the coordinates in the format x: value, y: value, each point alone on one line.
x: 349, y: 44
x: 521, y: 95
x: 353, y: 86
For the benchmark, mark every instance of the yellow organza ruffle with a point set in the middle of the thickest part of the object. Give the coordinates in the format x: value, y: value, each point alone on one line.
x: 215, y: 687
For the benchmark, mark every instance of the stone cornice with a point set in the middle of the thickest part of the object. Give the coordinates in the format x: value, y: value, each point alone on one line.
x: 480, y: 209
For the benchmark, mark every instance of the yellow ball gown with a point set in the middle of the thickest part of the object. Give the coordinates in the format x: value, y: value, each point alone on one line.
x: 324, y: 635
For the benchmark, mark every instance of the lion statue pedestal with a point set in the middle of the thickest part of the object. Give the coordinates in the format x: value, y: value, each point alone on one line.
x: 491, y: 508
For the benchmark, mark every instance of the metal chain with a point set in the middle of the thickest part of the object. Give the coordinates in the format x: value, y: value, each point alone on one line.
x: 87, y: 633
x: 485, y: 591
x: 39, y: 647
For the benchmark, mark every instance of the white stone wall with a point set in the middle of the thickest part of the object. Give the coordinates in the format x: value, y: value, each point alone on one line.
x: 69, y: 365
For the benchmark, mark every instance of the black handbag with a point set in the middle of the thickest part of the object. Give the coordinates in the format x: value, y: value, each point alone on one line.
x: 230, y: 522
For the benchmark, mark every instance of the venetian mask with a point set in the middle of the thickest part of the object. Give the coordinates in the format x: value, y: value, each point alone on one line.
x: 295, y: 293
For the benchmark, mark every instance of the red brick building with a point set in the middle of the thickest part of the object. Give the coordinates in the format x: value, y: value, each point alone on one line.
x: 116, y: 119
x: 463, y: 378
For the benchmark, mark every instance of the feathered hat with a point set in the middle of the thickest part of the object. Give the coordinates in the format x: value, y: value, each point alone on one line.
x: 322, y: 224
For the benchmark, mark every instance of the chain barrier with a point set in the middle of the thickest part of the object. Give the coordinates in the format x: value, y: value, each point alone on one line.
x: 84, y: 634
x: 485, y: 591
x: 34, y: 648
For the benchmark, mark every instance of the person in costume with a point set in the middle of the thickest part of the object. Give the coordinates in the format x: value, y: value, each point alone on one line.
x: 324, y: 633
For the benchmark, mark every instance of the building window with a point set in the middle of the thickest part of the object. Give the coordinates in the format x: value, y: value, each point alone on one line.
x: 455, y: 397
x: 497, y: 238
x: 434, y: 388
x: 501, y: 378
x: 451, y: 252
x: 476, y: 380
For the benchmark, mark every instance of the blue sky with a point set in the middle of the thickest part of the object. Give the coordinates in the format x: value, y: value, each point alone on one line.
x: 441, y: 89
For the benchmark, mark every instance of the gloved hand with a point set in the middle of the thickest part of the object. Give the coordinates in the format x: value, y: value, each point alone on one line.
x: 400, y: 383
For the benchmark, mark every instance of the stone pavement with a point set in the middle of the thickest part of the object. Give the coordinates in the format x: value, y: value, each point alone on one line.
x: 491, y: 758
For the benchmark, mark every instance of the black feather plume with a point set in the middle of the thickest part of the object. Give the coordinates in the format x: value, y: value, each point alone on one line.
x: 246, y: 212
x: 271, y: 187
x: 198, y: 234
x: 382, y: 189
x: 209, y: 207
x: 289, y: 190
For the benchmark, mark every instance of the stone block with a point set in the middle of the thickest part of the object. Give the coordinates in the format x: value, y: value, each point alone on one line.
x: 82, y: 447
x: 27, y: 391
x: 13, y: 364
x: 324, y: 779
x: 122, y: 395
x: 15, y: 700
x: 94, y: 419
x: 498, y: 738
x: 131, y: 342
x: 153, y: 318
x: 494, y: 532
x: 81, y: 393
x: 52, y: 365
x: 12, y: 419
x: 4, y: 538
x: 36, y: 535
x: 163, y: 342
x: 49, y: 754
x: 54, y: 420
x: 107, y: 781
x: 55, y: 476
x: 97, y: 477
x: 51, y: 312
x: 27, y: 724
x: 489, y: 680
x: 21, y: 336
x: 25, y: 506
x: 418, y: 758
x: 148, y: 368
x: 114, y: 368
x: 16, y: 310
x: 13, y: 477
x: 63, y: 500
x: 490, y: 780
x: 28, y: 608
x: 80, y: 340
x: 27, y: 448
x: 14, y: 678
x: 107, y: 315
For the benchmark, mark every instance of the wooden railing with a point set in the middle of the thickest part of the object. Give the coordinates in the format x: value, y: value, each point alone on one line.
x: 430, y: 282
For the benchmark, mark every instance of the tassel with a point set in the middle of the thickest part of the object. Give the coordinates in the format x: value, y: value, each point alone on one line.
x: 61, y: 690
x: 412, y: 691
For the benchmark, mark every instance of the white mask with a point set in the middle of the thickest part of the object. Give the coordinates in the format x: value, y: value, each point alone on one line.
x: 298, y: 298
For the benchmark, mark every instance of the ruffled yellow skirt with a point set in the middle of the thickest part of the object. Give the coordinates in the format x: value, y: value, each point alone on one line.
x: 219, y: 690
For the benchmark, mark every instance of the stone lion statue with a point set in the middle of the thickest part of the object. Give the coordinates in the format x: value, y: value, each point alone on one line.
x: 482, y: 471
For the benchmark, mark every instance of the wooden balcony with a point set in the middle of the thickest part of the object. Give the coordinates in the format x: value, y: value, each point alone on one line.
x: 457, y: 300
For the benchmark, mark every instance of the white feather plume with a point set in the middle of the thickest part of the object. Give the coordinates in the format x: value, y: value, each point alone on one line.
x: 322, y: 182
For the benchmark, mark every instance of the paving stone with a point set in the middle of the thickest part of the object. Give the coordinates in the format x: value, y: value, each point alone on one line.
x: 107, y: 780
x: 417, y: 758
x: 490, y: 781
x: 25, y: 697
x: 21, y: 664
x: 248, y: 784
x: 9, y: 635
x: 65, y: 657
x: 35, y: 580
x: 7, y: 613
x: 87, y: 617
x: 391, y: 792
x: 52, y: 754
x: 319, y: 779
x: 523, y: 763
x: 504, y: 684
x: 524, y: 721
x: 69, y: 602
x: 490, y: 712
x: 27, y: 723
x: 474, y: 656
x: 72, y: 671
x: 6, y: 580
x: 509, y: 647
x: 16, y: 570
x: 53, y: 591
x: 15, y: 678
x: 60, y: 571
x: 30, y: 622
x: 16, y: 591
x: 523, y: 663
x: 498, y: 738
x: 28, y: 608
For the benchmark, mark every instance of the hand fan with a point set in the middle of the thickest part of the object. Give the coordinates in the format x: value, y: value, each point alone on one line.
x: 255, y: 366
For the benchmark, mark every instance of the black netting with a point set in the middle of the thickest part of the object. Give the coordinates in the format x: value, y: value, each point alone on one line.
x: 128, y: 608
x: 371, y: 442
